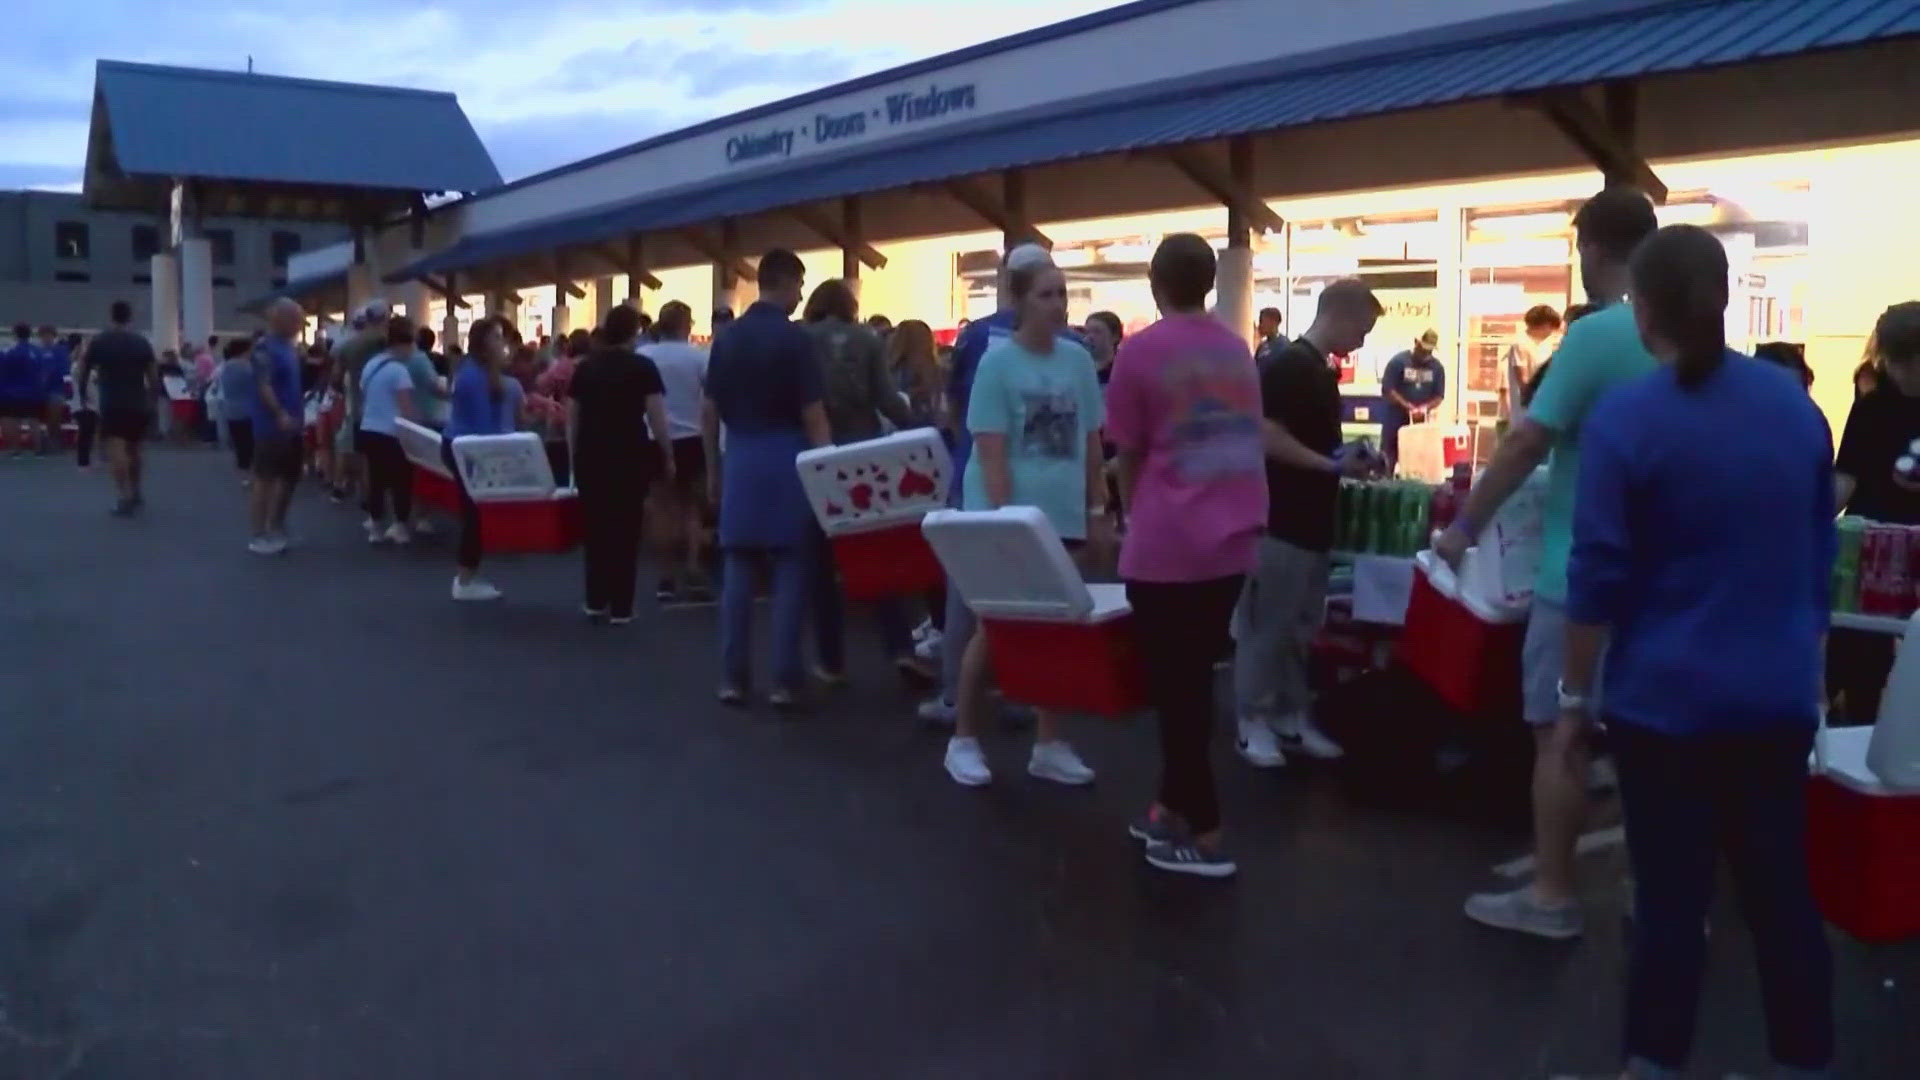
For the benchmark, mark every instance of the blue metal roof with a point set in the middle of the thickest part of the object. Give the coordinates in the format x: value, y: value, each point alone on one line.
x: 227, y: 125
x: 1583, y: 43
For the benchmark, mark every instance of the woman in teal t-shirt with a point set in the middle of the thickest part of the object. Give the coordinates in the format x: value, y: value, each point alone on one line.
x: 1035, y: 413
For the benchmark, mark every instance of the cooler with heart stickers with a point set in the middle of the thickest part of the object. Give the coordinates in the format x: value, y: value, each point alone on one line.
x: 1056, y: 642
x: 869, y: 498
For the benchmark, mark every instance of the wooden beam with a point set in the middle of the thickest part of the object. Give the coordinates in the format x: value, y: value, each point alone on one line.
x: 839, y: 236
x: 1609, y: 150
x: 705, y: 244
x: 1238, y: 198
x: 445, y: 290
x: 969, y: 193
x: 636, y: 268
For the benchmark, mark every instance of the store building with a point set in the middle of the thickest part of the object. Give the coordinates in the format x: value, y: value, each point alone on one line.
x: 1436, y: 149
x: 64, y: 262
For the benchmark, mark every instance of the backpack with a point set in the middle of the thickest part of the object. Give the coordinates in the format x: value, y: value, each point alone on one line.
x: 843, y: 373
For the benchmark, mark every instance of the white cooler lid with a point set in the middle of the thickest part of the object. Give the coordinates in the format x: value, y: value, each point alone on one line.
x: 876, y: 483
x: 421, y: 444
x: 1009, y: 563
x: 504, y: 468
x: 1843, y: 752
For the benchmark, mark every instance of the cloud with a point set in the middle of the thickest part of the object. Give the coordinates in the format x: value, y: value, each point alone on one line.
x: 15, y: 174
x: 544, y: 83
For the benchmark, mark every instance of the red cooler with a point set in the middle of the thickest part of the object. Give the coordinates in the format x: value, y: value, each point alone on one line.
x: 1863, y: 844
x: 869, y: 498
x: 1465, y: 648
x: 1087, y: 666
x: 533, y: 527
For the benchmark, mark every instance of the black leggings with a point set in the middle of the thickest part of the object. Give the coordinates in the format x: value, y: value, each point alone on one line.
x: 612, y: 503
x: 469, y: 554
x: 240, y: 434
x: 389, y: 475
x: 88, y: 422
x: 1182, y: 629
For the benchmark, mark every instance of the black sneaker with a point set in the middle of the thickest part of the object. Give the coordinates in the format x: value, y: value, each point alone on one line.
x: 1154, y: 830
x: 1187, y: 857
x: 125, y: 508
x: 665, y: 593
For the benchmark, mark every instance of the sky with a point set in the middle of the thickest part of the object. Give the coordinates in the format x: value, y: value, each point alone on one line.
x: 545, y: 82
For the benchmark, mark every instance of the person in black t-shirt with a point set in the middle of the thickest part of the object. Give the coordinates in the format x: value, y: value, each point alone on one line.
x: 1281, y: 608
x: 120, y: 367
x: 1882, y: 427
x: 1869, y: 482
x: 615, y: 400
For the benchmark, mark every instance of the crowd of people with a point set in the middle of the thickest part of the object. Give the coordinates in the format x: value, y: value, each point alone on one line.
x: 1203, y: 473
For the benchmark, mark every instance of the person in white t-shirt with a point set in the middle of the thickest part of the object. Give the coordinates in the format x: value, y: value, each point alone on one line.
x: 681, y: 502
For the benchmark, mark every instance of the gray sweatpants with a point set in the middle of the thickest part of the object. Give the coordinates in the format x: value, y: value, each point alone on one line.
x: 1281, y: 609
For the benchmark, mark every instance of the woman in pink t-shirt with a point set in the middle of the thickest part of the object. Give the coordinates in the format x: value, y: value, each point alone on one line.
x: 1183, y: 411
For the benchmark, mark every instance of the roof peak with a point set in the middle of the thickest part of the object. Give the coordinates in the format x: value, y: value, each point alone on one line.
x: 223, y: 74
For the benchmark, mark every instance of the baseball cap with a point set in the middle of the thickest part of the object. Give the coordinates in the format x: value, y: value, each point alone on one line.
x: 375, y: 310
x: 1430, y: 339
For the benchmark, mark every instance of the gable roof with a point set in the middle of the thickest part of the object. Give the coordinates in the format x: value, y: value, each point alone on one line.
x: 159, y: 121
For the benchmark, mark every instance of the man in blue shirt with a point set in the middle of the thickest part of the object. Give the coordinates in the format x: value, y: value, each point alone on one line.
x: 54, y: 364
x: 21, y: 394
x: 278, y: 425
x: 1414, y: 384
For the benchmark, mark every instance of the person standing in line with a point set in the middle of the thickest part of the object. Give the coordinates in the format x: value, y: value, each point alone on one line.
x: 1529, y: 353
x: 1598, y: 353
x: 913, y: 362
x: 1712, y: 679
x: 1183, y: 411
x: 350, y: 357
x: 484, y: 402
x: 20, y: 393
x: 1284, y: 601
x: 615, y: 398
x: 56, y: 363
x: 278, y: 418
x: 128, y: 378
x: 386, y: 396
x: 1267, y: 331
x: 237, y: 394
x: 859, y: 391
x: 1103, y: 333
x: 1035, y: 413
x: 681, y: 531
x: 1414, y: 384
x: 763, y: 383
x: 86, y: 408
x: 974, y: 341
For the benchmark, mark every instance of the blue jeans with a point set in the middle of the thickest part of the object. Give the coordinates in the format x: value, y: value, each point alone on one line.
x: 790, y: 573
x: 830, y: 613
x: 1687, y: 800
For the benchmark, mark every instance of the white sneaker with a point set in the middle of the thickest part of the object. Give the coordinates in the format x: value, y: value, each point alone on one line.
x: 1056, y: 761
x: 1299, y: 734
x: 966, y: 764
x: 475, y: 590
x: 267, y: 545
x: 376, y: 533
x: 920, y: 632
x: 398, y: 534
x: 422, y: 527
x: 1259, y: 745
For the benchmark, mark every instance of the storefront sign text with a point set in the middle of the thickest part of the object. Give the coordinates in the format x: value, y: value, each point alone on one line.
x: 895, y: 110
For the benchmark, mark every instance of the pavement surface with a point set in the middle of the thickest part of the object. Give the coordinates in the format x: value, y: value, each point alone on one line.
x: 306, y: 818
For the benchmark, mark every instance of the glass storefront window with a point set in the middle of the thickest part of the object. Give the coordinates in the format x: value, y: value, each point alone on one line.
x: 1397, y: 254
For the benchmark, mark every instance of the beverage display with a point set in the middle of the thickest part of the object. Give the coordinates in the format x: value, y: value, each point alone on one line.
x: 1385, y: 517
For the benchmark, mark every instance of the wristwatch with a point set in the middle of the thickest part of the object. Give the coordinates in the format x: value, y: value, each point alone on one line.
x: 1572, y: 702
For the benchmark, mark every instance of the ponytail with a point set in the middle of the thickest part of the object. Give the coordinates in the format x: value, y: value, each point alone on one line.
x: 1680, y: 291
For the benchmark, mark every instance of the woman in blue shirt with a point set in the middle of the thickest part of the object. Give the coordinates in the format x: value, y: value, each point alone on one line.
x: 1702, y: 543
x: 484, y: 402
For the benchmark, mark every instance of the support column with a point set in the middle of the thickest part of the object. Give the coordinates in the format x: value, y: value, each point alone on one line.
x: 165, y: 272
x: 1233, y: 280
x: 450, y: 329
x: 196, y: 293
x: 560, y: 319
x: 602, y: 300
x: 728, y: 291
x: 363, y: 285
x: 418, y: 300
